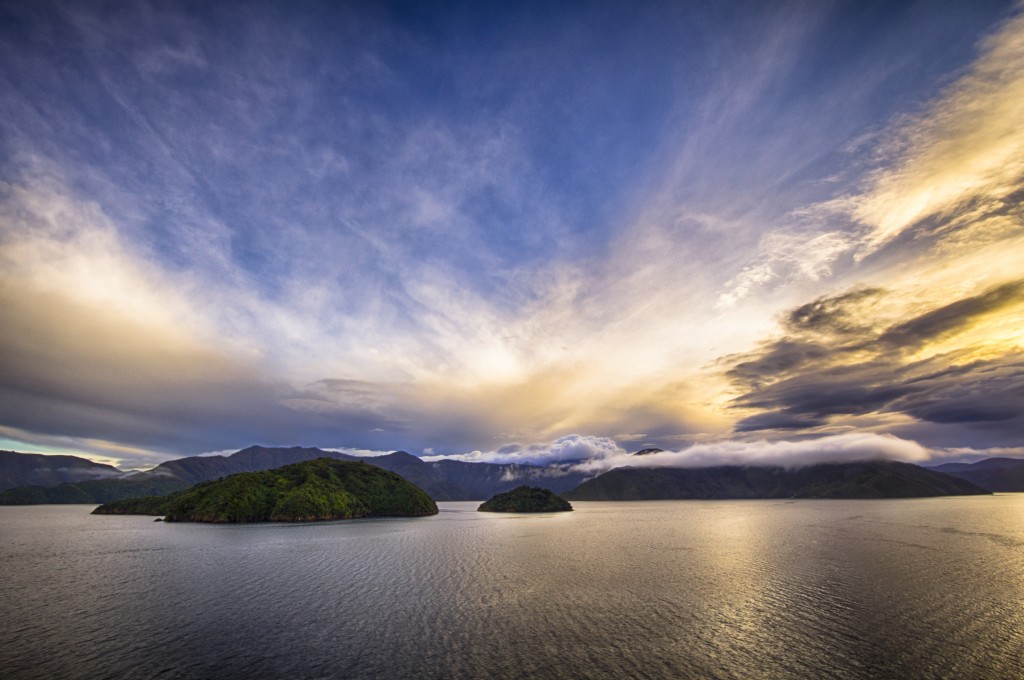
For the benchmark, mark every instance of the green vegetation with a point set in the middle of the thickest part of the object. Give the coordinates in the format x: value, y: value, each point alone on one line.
x: 526, y: 499
x: 320, y: 489
x: 872, y: 479
x: 93, y: 491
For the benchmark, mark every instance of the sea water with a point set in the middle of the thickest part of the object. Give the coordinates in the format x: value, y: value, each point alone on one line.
x: 927, y: 588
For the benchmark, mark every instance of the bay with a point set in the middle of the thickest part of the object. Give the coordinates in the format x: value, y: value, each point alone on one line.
x: 928, y: 588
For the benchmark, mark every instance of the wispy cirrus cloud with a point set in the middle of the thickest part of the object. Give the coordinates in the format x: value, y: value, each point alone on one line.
x: 784, y: 258
x: 921, y: 325
x: 940, y: 181
x: 342, y: 226
x: 960, y: 160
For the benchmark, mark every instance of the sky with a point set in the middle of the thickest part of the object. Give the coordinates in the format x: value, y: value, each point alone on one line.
x: 737, y: 231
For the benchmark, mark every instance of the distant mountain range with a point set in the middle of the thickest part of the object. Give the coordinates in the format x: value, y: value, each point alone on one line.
x: 878, y: 479
x: 68, y: 479
x: 24, y: 469
x: 446, y: 480
x: 994, y: 474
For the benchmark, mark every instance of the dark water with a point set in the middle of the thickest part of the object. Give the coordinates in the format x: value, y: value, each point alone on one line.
x: 807, y: 589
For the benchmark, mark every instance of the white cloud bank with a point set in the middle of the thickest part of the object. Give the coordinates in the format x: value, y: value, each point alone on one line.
x: 570, y: 449
x: 597, y: 454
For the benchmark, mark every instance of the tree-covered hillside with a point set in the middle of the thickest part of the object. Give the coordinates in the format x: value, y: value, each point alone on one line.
x: 320, y: 489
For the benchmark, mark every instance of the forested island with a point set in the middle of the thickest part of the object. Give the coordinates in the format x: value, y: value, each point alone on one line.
x: 526, y: 499
x: 321, y: 489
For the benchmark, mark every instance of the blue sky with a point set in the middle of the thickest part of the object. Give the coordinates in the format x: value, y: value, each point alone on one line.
x: 462, y: 227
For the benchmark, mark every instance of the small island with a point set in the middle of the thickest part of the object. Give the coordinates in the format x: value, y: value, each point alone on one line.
x: 315, y: 490
x: 526, y: 499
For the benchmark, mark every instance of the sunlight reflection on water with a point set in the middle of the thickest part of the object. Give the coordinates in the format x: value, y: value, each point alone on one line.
x: 849, y: 589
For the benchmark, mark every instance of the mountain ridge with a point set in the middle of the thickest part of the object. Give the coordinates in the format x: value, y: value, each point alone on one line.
x: 995, y: 474
x: 37, y: 469
x: 446, y: 480
x: 458, y: 480
x: 869, y: 479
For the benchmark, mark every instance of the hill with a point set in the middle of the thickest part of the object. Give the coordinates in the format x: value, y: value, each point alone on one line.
x: 526, y: 499
x: 170, y: 476
x: 92, y: 492
x: 34, y: 469
x: 195, y: 469
x: 994, y: 474
x: 447, y: 480
x: 321, y: 489
x: 877, y: 479
x: 455, y: 480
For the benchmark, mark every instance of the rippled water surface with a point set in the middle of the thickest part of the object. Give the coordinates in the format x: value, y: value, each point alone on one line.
x: 908, y: 588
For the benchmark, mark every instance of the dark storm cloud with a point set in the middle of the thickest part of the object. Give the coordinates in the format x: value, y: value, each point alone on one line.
x: 980, y: 392
x: 816, y: 333
x: 778, y: 358
x: 835, y: 314
x: 810, y: 397
x: 832, y: 364
x: 952, y: 317
x: 777, y: 420
x: 989, y: 391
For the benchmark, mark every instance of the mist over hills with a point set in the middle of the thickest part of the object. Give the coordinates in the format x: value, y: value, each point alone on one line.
x: 25, y: 469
